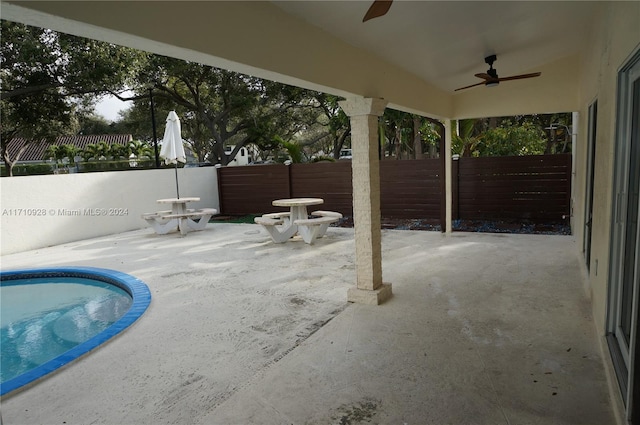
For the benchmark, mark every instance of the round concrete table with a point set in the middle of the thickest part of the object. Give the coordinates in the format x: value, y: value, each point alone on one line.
x: 298, y: 206
x: 178, y: 205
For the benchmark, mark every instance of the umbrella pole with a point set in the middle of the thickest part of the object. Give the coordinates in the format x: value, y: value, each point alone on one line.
x: 177, y: 189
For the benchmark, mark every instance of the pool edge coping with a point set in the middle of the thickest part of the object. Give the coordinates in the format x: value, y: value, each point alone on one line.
x: 141, y: 299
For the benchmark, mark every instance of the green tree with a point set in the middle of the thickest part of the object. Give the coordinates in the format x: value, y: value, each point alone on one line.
x: 95, y: 125
x: 49, y: 79
x: 60, y: 153
x: 516, y: 135
x: 52, y: 152
x: 554, y: 126
x: 408, y: 136
x: 331, y: 123
x: 513, y: 140
x: 235, y: 109
x: 433, y: 135
x: 463, y: 138
x: 398, y: 131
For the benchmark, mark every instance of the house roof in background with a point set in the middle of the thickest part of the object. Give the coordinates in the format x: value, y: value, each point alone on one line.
x: 35, y: 150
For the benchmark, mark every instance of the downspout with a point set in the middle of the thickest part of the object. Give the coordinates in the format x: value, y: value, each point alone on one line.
x: 575, y: 117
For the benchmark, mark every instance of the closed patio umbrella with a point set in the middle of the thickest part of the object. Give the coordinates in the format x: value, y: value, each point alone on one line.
x: 172, y: 149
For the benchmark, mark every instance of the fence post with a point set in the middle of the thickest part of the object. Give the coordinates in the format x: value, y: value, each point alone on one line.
x: 455, y: 187
x: 219, y: 179
x: 567, y: 219
x: 289, y: 183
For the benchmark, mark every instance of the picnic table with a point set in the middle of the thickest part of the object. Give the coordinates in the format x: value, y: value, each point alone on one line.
x: 178, y: 205
x: 297, y: 220
x: 179, y: 217
x: 298, y: 206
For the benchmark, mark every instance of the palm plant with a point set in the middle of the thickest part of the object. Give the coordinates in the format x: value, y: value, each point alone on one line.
x: 463, y: 142
x: 103, y: 149
x: 60, y: 153
x: 91, y: 152
x: 293, y: 149
x: 69, y: 152
x: 52, y: 152
x: 140, y: 149
x: 119, y: 151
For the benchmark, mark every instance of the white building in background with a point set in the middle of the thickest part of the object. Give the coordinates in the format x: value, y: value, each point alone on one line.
x: 243, y: 157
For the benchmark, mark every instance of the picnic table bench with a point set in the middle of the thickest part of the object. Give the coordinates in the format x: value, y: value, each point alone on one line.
x: 312, y: 228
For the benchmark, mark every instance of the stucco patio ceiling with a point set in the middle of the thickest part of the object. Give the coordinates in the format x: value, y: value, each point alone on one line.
x: 444, y: 43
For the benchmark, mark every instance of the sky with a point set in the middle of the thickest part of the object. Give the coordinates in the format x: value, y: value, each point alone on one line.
x: 109, y: 107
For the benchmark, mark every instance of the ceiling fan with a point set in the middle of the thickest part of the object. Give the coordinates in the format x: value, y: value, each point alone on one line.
x: 491, y: 76
x: 377, y: 9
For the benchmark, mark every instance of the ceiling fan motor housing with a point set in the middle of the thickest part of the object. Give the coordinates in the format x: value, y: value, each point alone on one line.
x: 490, y: 59
x: 491, y: 72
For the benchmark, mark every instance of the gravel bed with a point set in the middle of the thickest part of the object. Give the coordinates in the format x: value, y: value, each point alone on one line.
x: 483, y: 226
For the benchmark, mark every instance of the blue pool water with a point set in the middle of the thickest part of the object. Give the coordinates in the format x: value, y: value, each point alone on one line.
x: 49, y: 317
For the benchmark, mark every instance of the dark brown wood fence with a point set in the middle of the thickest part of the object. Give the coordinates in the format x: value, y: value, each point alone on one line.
x: 330, y: 181
x: 411, y: 188
x: 525, y: 187
x: 536, y: 188
x: 250, y: 189
x: 408, y: 189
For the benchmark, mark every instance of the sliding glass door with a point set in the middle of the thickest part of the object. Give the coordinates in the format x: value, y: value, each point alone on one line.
x: 624, y: 272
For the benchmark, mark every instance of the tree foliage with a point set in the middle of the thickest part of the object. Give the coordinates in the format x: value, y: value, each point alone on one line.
x: 48, y: 80
x: 517, y: 135
x: 408, y: 136
x: 512, y: 140
x: 220, y: 108
x: 464, y: 139
x: 95, y: 124
x: 332, y: 127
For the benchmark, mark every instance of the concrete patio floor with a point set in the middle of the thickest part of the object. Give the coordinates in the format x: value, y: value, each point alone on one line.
x: 482, y: 329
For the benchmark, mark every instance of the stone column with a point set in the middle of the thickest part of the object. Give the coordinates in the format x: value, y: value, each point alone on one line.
x: 364, y: 113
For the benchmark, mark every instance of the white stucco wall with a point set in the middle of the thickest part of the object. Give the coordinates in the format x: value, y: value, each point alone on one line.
x: 614, y: 39
x: 39, y: 211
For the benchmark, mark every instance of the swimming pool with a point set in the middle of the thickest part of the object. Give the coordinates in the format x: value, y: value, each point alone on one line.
x: 66, y: 312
